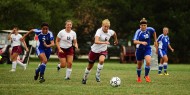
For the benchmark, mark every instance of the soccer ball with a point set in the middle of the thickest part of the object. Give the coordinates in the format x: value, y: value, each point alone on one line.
x: 115, y: 81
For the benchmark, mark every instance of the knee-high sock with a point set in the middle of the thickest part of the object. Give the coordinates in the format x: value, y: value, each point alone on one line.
x: 86, y: 73
x: 160, y: 68
x: 14, y: 63
x: 139, y: 72
x: 147, y: 69
x: 42, y: 69
x: 165, y: 65
x: 99, y: 68
x: 68, y: 72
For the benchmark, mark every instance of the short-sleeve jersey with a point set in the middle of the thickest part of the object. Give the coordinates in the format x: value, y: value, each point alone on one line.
x: 103, y: 37
x: 16, y: 40
x: 163, y: 42
x: 66, y: 38
x: 43, y: 37
x: 144, y: 36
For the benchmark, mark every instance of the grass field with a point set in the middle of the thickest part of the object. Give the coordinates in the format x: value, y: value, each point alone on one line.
x: 22, y: 83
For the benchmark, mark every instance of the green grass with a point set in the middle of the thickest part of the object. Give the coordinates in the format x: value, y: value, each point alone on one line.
x: 22, y: 83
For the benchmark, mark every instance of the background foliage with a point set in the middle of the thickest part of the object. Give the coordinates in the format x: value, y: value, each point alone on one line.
x: 88, y: 14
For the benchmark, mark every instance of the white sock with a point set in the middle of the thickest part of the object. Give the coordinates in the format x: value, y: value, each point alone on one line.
x: 14, y: 63
x: 59, y: 65
x: 86, y: 73
x: 68, y: 72
x: 20, y: 63
x: 99, y: 68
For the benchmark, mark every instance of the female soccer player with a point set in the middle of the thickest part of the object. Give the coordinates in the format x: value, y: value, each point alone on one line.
x: 65, y: 40
x: 16, y: 40
x: 99, y: 49
x: 142, y: 40
x: 43, y: 49
x: 163, y: 45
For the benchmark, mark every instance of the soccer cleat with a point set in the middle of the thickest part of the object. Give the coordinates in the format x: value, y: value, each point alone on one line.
x: 42, y: 80
x: 147, y: 78
x: 12, y: 70
x: 84, y: 81
x: 97, y: 78
x: 58, y: 68
x: 139, y: 80
x: 67, y: 78
x: 166, y: 74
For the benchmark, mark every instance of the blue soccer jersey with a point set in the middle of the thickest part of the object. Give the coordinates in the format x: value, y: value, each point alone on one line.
x: 144, y: 36
x: 40, y: 48
x: 163, y: 42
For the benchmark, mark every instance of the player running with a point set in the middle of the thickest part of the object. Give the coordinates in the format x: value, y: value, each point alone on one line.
x: 142, y: 40
x: 99, y: 49
x: 16, y: 40
x: 65, y: 40
x: 43, y: 49
x: 163, y: 45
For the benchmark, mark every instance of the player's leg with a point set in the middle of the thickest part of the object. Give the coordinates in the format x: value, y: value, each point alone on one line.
x: 42, y: 66
x: 62, y: 60
x: 160, y: 54
x: 69, y: 66
x: 100, y: 67
x: 148, y: 53
x: 91, y: 59
x: 14, y: 61
x: 20, y: 63
x: 139, y: 57
x: 165, y: 64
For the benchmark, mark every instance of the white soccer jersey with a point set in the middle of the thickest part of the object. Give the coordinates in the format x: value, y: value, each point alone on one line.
x: 66, y: 38
x: 16, y: 40
x: 97, y: 48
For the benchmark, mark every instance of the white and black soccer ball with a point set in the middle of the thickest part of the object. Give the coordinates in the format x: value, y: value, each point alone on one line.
x: 115, y: 81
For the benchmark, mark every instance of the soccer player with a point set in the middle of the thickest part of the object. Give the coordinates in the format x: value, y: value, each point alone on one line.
x: 65, y: 40
x: 16, y: 40
x: 142, y: 40
x: 99, y: 49
x: 43, y: 49
x: 163, y: 45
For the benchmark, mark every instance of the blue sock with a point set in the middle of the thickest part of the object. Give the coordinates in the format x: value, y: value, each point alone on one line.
x: 42, y: 69
x: 165, y: 67
x: 37, y: 70
x: 147, y: 69
x: 139, y: 72
x: 160, y: 69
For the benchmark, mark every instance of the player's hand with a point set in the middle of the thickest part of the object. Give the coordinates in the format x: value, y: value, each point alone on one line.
x: 45, y: 44
x: 107, y: 42
x: 61, y: 51
x: 172, y: 50
x: 115, y: 42
x: 144, y: 43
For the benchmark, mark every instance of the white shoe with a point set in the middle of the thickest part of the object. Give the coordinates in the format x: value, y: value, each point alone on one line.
x: 12, y: 70
x: 25, y: 65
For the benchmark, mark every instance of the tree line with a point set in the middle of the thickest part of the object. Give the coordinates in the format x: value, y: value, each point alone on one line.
x: 88, y: 14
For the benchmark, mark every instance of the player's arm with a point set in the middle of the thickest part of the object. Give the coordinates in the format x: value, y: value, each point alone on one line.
x: 25, y: 46
x: 139, y: 42
x: 97, y: 41
x: 32, y: 30
x: 57, y: 44
x: 50, y: 45
x: 115, y: 38
x: 169, y: 46
x: 75, y: 43
x: 155, y: 40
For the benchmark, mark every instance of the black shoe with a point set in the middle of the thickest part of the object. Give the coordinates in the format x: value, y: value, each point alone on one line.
x: 42, y: 80
x: 36, y: 76
x: 67, y: 78
x: 58, y: 68
x: 84, y: 81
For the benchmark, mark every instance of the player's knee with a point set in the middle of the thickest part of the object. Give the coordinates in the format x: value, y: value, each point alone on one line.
x: 101, y: 61
x: 62, y: 66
